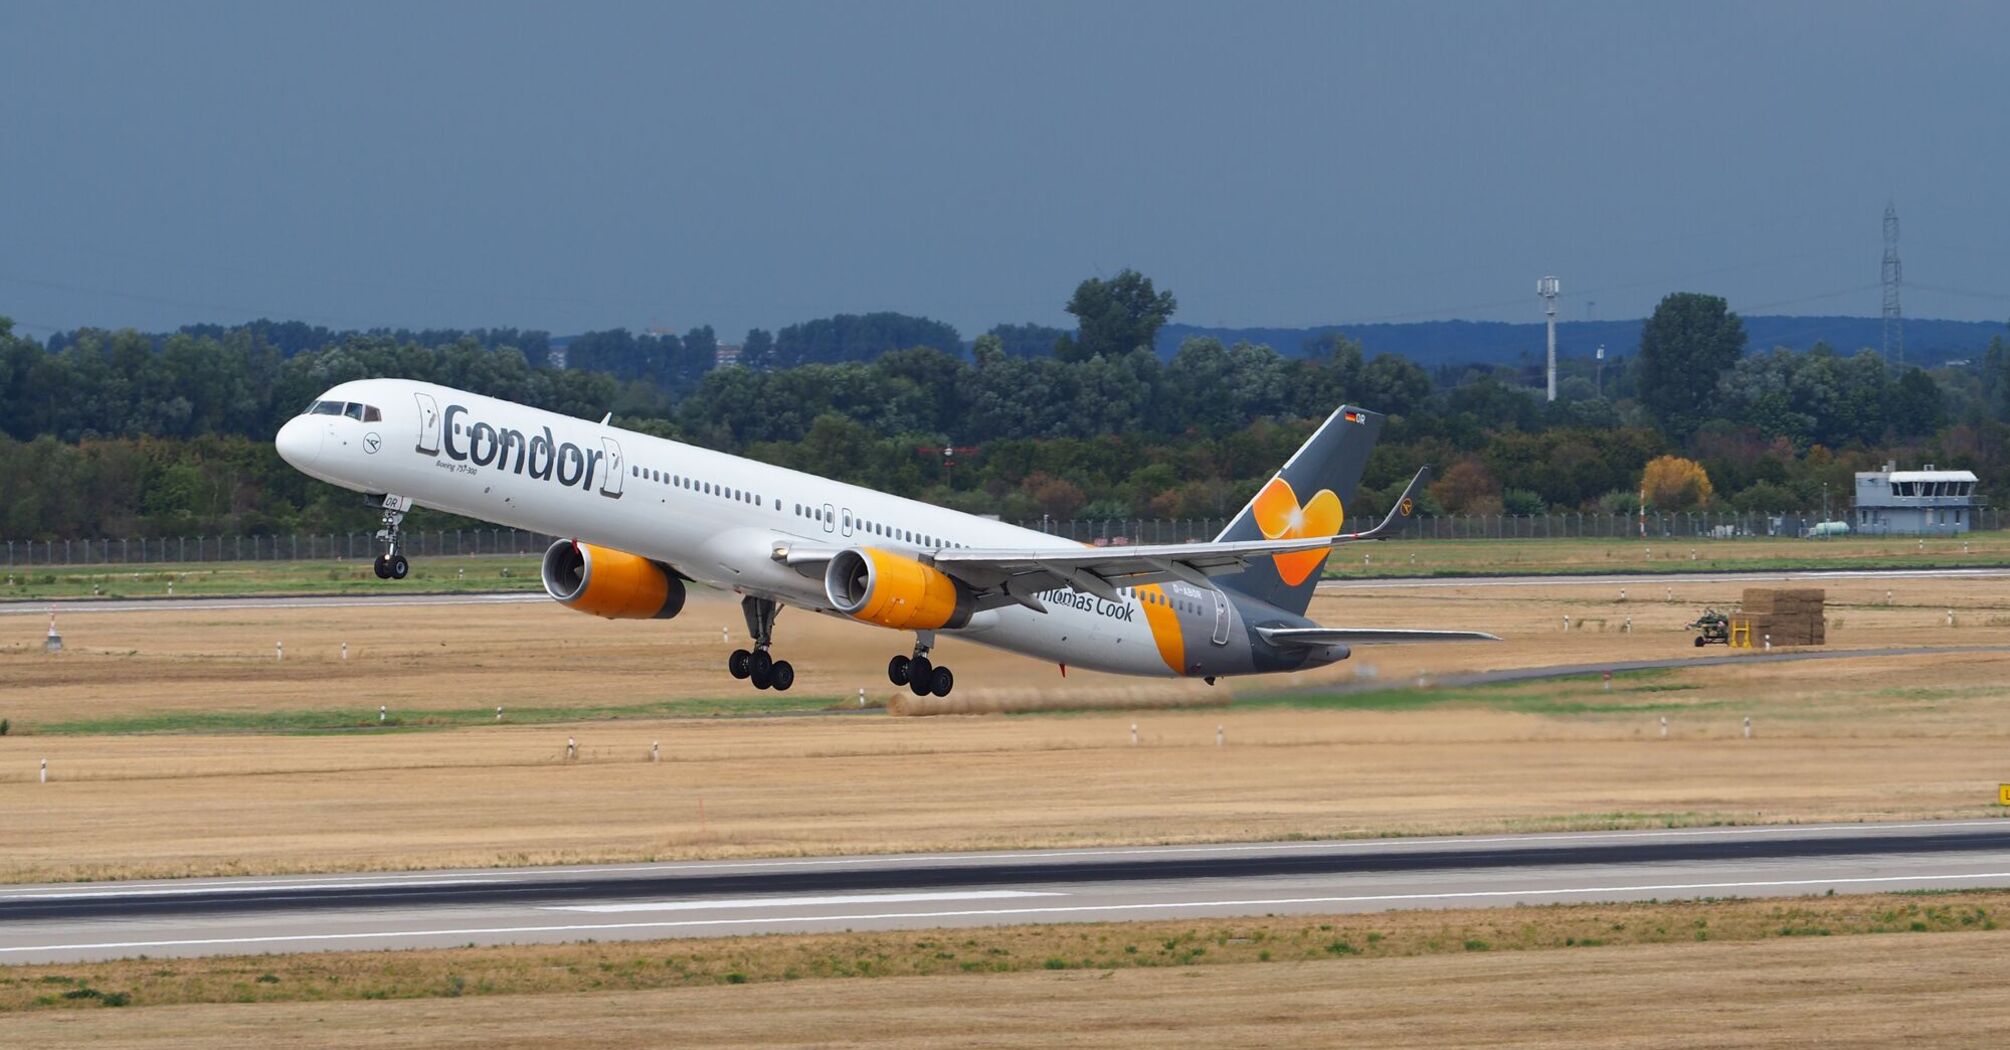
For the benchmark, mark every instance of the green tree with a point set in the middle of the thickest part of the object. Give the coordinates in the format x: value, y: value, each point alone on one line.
x: 1690, y: 342
x: 1114, y: 317
x: 1393, y: 385
x: 1916, y: 404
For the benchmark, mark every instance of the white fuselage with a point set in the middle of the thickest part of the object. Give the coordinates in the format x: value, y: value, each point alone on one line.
x: 716, y: 518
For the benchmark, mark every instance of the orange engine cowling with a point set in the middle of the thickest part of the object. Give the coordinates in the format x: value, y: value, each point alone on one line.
x: 895, y: 591
x: 611, y: 583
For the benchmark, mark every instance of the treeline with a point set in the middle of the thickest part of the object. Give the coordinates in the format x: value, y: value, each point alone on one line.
x: 121, y: 433
x: 670, y: 363
x: 846, y: 337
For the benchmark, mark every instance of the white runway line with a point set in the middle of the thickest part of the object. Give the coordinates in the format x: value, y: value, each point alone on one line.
x: 804, y: 902
x: 588, y: 928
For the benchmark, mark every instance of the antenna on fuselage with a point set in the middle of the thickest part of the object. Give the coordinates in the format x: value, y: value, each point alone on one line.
x: 604, y: 419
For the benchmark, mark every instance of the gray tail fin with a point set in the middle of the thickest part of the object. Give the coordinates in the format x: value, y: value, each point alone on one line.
x: 1307, y: 497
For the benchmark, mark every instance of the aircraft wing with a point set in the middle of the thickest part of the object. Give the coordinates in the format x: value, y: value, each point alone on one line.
x: 1019, y: 574
x: 1318, y: 637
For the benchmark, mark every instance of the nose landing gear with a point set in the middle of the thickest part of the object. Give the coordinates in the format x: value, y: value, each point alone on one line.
x: 917, y: 672
x: 392, y: 565
x: 757, y: 666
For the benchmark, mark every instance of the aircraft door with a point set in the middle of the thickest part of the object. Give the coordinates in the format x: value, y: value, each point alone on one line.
x: 429, y: 424
x: 1220, y: 618
x: 830, y: 518
x: 617, y: 469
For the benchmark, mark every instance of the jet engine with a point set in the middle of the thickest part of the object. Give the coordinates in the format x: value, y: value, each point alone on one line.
x: 895, y: 591
x: 611, y: 583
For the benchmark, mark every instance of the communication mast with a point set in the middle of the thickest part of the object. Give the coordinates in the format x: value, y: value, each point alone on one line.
x: 1894, y: 319
x: 1549, y: 288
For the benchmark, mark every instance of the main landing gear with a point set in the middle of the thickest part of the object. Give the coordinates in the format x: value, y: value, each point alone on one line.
x: 392, y: 565
x: 917, y: 672
x: 757, y: 666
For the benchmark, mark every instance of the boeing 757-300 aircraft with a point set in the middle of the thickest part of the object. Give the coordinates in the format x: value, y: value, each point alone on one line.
x: 648, y: 516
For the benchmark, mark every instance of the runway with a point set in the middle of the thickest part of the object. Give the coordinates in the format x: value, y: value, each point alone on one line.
x: 1633, y: 579
x: 341, y: 601
x: 300, y: 601
x: 84, y: 921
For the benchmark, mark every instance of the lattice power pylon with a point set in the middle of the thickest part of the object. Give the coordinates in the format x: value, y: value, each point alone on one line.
x: 1894, y: 318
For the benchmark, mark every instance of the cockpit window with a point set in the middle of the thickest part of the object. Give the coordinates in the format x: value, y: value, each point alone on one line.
x: 352, y: 409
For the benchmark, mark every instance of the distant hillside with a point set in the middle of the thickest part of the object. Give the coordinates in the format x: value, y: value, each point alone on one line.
x: 1431, y: 343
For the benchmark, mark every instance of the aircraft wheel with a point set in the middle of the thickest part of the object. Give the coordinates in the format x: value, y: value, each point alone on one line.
x: 782, y: 676
x: 739, y: 662
x: 400, y: 568
x: 896, y: 670
x: 941, y: 682
x: 383, y: 566
x: 919, y: 674
x: 761, y: 677
x: 760, y: 663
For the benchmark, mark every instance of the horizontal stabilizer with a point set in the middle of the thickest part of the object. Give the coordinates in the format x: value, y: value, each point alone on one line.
x: 1319, y: 637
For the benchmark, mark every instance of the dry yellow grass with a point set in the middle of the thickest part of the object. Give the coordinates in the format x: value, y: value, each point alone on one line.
x: 1197, y: 942
x: 544, y: 655
x: 1842, y: 739
x: 1917, y: 990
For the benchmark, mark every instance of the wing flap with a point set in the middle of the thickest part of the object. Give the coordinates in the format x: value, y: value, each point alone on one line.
x: 1084, y: 568
x: 1015, y: 574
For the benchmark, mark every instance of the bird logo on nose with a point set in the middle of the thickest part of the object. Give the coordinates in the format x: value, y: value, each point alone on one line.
x: 1281, y: 517
x: 371, y: 443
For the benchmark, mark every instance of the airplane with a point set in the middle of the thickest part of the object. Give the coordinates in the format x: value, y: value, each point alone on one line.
x: 646, y: 517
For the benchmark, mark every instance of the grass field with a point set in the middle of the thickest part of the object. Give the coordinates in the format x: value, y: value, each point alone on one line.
x: 1922, y: 970
x: 1392, y: 559
x: 178, y: 745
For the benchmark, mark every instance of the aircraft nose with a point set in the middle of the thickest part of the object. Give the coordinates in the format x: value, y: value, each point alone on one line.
x: 299, y: 441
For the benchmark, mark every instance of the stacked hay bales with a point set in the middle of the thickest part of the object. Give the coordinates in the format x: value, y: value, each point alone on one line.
x: 1788, y: 615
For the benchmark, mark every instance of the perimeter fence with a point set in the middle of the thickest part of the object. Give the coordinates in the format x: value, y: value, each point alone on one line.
x: 1698, y: 525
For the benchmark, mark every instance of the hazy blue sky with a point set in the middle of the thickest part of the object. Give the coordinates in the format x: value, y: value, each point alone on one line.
x: 592, y: 165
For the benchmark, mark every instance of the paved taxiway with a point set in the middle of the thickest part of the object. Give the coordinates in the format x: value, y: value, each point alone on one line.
x: 338, y: 601
x: 81, y: 921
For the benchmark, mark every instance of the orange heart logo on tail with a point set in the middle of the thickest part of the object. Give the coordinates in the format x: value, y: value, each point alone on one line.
x: 1280, y: 516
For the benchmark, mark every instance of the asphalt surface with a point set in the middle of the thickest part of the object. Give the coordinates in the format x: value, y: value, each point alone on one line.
x: 1667, y: 578
x: 81, y: 921
x: 303, y: 601
x: 100, y: 605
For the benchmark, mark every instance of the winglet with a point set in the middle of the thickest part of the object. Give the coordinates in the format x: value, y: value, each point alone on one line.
x: 1405, y: 508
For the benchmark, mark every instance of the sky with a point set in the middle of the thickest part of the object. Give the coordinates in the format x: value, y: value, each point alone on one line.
x: 600, y: 165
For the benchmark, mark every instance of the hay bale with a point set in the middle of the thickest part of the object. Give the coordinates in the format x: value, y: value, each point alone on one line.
x: 1788, y: 615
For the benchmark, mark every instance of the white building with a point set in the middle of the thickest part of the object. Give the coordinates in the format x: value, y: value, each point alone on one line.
x: 1914, y: 502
